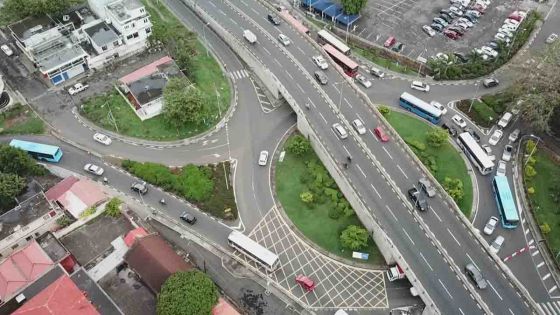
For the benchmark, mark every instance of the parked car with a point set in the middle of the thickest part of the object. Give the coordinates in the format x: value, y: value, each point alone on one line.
x: 456, y: 29
x: 437, y: 27
x: 480, y: 8
x: 496, y: 136
x: 305, y: 282
x: 490, y: 82
x: 363, y: 81
x: 321, y: 77
x: 489, y: 51
x: 439, y: 106
x: 459, y: 121
x: 462, y: 25
x: 549, y: 40
x: 452, y: 131
x: 502, y: 167
x: 427, y: 187
x: 77, y: 88
x: 456, y: 11
x: 473, y: 134
x: 340, y: 131
x: 440, y: 21
x: 389, y: 42
x: 490, y: 225
x: 476, y: 276
x: 466, y: 21
x: 274, y: 19
x: 514, y: 135
x: 377, y: 72
x: 420, y: 86
x: 359, y: 126
x: 508, y: 151
x: 187, y: 217
x: 139, y: 187
x: 497, y: 244
x: 474, y: 13
x: 501, y: 37
x: 263, y: 158
x: 320, y: 62
x: 93, y: 169
x: 461, y: 57
x: 450, y: 34
x: 101, y: 138
x: 380, y: 133
x: 398, y: 47
x: 284, y: 39
x: 420, y: 203
x: 446, y: 17
x: 506, y: 118
x: 7, y: 50
x: 428, y: 30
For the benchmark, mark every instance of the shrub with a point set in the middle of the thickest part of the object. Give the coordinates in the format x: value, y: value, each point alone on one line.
x: 545, y: 228
x: 335, y: 212
x: 384, y: 110
x: 89, y: 211
x: 345, y: 208
x: 298, y: 145
x: 113, y: 208
x: 191, y: 292
x: 418, y: 145
x: 454, y: 188
x: 530, y: 171
x: 195, y: 183
x: 530, y: 146
x: 63, y: 221
x: 531, y: 190
x: 532, y: 160
x: 354, y: 237
x: 306, y: 197
x: 436, y: 137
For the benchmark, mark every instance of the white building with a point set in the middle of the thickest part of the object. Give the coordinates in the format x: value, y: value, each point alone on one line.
x: 128, y: 17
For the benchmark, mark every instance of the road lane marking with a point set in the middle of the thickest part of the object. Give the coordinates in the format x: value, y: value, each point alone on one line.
x: 268, y: 52
x: 360, y: 118
x: 460, y: 310
x: 535, y: 253
x: 387, y: 153
x: 212, y: 4
x: 349, y: 105
x: 435, y: 213
x: 312, y: 104
x: 426, y: 261
x: 445, y: 289
x: 512, y: 313
x: 321, y: 114
x: 401, y: 171
x: 234, y: 22
x: 376, y: 191
x: 410, y: 238
x: 255, y: 11
x: 291, y: 77
x: 299, y: 86
x: 244, y: 3
x: 391, y: 212
x: 541, y: 264
x: 370, y: 131
x: 498, y: 294
x: 359, y: 168
x: 526, y: 231
x: 448, y: 230
x: 222, y: 12
x: 552, y: 289
x: 347, y: 152
x: 546, y: 276
x: 531, y: 242
x: 303, y: 52
x: 472, y: 261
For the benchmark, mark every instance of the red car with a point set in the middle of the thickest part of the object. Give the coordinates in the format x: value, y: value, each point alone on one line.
x: 516, y: 17
x: 451, y: 34
x: 305, y: 282
x: 479, y: 8
x: 390, y: 42
x: 381, y: 134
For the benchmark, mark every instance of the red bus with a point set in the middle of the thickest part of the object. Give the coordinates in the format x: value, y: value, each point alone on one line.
x: 349, y: 66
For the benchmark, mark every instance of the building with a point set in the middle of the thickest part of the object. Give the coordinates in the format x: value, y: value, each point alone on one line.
x: 28, y: 220
x: 76, y: 195
x: 144, y: 87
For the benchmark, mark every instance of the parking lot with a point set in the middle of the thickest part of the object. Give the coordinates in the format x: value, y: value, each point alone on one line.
x: 404, y: 19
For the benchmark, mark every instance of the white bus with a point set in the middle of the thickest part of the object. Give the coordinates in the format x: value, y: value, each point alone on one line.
x: 327, y: 38
x: 254, y: 251
x: 475, y: 153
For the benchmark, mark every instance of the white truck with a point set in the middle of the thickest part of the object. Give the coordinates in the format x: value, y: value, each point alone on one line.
x: 77, y: 88
x: 249, y: 36
x: 395, y: 273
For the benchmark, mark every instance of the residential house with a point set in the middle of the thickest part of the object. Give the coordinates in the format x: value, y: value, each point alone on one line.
x: 76, y: 195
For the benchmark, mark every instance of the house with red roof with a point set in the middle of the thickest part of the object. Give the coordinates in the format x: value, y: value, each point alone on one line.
x: 76, y: 195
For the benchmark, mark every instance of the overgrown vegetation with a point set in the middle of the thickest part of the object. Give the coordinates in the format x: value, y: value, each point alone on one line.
x: 489, y: 108
x: 315, y: 205
x: 206, y: 186
x: 64, y: 221
x: 14, y: 10
x: 190, y: 292
x: 385, y: 62
x: 20, y: 119
x: 113, y: 208
x: 88, y: 212
x: 453, y: 69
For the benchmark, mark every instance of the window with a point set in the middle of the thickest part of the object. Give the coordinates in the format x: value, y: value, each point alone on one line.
x: 29, y: 238
x: 104, y: 47
x: 135, y: 35
x: 141, y: 10
x: 15, y: 246
x: 133, y: 25
x: 148, y: 30
x: 129, y: 37
x: 145, y: 20
x: 116, y: 43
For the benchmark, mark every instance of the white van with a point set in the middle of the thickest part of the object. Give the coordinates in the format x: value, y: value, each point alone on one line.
x: 249, y: 36
x: 504, y: 121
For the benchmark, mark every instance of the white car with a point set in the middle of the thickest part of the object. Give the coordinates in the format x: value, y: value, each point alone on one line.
x: 263, y: 158
x: 549, y: 40
x: 497, y: 244
x: 339, y: 131
x: 459, y: 121
x: 496, y: 136
x: 514, y: 135
x: 101, y: 138
x: 487, y: 149
x: 93, y: 169
x: 511, y: 21
x: 501, y: 37
x: 501, y: 170
x: 509, y: 27
x: 320, y: 62
x: 363, y: 81
x: 7, y: 50
x: 465, y: 21
x: 439, y: 106
x: 489, y: 51
x: 420, y: 86
x: 490, y: 225
x: 359, y: 126
x: 428, y: 30
x: 77, y: 88
x: 508, y: 151
x: 284, y: 39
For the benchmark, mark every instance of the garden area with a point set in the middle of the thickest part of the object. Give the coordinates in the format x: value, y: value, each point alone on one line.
x: 19, y: 120
x: 315, y: 205
x: 486, y: 110
x: 430, y: 145
x: 208, y: 187
x: 190, y: 109
x: 384, y: 62
x: 542, y: 183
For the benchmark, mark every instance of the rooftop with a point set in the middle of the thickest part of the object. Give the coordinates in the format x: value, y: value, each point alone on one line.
x: 62, y: 51
x: 121, y: 8
x: 52, y: 247
x: 101, y: 34
x: 30, y: 26
x: 76, y: 195
x: 26, y: 212
x: 95, y: 294
x: 127, y: 290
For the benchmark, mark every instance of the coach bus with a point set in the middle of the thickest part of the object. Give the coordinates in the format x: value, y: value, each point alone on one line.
x: 349, y: 66
x: 254, y: 251
x: 38, y: 151
x: 505, y: 202
x: 475, y: 153
x: 420, y: 108
x: 327, y: 38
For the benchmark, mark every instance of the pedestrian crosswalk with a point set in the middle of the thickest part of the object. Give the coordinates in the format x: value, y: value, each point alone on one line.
x: 239, y: 74
x: 550, y: 308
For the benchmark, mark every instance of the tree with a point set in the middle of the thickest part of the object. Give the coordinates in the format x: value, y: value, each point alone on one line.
x: 353, y: 6
x: 14, y: 10
x: 384, y: 110
x: 306, y: 197
x: 11, y: 185
x: 298, y: 145
x: 354, y: 237
x: 190, y: 292
x: 530, y: 171
x: 454, y: 188
x: 436, y: 137
x: 113, y: 208
x: 183, y: 103
x: 545, y: 228
x: 16, y: 161
x: 530, y: 147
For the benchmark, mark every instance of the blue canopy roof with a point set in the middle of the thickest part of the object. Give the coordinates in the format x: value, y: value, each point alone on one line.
x: 346, y: 19
x: 307, y: 3
x: 321, y: 5
x: 333, y: 11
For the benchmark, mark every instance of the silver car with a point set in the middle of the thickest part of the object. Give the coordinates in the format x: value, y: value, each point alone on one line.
x: 490, y: 226
x: 93, y: 169
x: 427, y: 187
x: 497, y: 244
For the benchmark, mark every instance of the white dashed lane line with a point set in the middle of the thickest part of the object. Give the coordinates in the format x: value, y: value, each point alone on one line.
x: 498, y: 294
x: 448, y: 230
x: 360, y: 169
x: 426, y: 261
x: 445, y: 288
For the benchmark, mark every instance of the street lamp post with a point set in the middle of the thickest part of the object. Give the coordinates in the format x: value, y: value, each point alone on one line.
x: 472, y: 99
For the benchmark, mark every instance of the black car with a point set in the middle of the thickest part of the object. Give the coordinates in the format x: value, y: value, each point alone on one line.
x: 398, y: 47
x: 452, y: 131
x: 437, y: 27
x: 419, y: 202
x: 444, y: 11
x: 274, y: 19
x: 446, y: 17
x: 473, y: 134
x: 189, y: 218
x: 471, y: 18
x: 321, y: 77
x: 139, y: 187
x: 461, y: 57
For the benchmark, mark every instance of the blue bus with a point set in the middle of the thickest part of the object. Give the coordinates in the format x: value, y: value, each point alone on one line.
x: 505, y: 202
x: 420, y: 108
x: 38, y: 151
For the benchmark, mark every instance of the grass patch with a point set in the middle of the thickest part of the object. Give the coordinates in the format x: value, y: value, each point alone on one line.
x: 384, y: 62
x: 545, y: 209
x: 448, y: 160
x: 315, y: 222
x: 19, y: 120
x: 480, y: 113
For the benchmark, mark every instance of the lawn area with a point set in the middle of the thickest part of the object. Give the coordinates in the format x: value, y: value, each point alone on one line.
x: 314, y: 222
x: 448, y: 160
x: 384, y: 62
x: 20, y: 120
x: 480, y: 113
x: 545, y: 209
